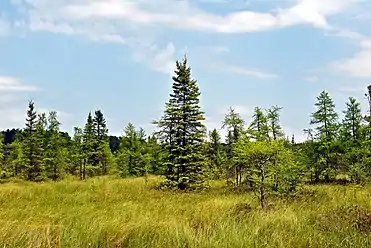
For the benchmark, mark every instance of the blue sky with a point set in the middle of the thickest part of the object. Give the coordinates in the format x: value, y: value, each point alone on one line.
x: 75, y: 56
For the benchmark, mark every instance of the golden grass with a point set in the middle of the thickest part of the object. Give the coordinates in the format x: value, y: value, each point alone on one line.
x: 112, y: 212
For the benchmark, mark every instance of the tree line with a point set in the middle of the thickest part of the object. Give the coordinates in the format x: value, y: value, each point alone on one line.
x: 255, y: 156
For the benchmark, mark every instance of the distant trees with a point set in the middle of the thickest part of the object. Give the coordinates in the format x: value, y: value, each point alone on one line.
x: 253, y: 156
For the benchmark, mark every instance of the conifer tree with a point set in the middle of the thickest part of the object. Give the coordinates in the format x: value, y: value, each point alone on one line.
x: 101, y: 155
x: 325, y: 119
x: 215, y: 152
x: 88, y: 144
x: 187, y: 159
x: 259, y: 129
x: 166, y: 136
x: 77, y: 152
x: 235, y: 125
x: 274, y: 127
x: 53, y: 154
x: 131, y: 160
x: 33, y: 144
x: 352, y: 121
x: 156, y: 155
x: 352, y: 140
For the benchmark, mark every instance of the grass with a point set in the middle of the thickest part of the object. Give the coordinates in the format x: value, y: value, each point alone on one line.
x: 111, y: 212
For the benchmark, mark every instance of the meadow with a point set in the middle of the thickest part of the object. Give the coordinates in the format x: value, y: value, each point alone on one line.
x: 114, y: 212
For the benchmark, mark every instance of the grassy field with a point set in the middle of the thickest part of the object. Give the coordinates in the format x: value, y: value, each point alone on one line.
x: 109, y: 212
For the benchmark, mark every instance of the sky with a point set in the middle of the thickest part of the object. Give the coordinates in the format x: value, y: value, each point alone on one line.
x: 76, y: 56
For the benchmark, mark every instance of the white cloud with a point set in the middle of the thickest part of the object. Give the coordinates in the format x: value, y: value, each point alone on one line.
x: 159, y: 59
x: 11, y: 84
x: 250, y: 72
x: 182, y: 14
x: 12, y: 104
x: 359, y: 65
x: 135, y: 23
x: 313, y: 12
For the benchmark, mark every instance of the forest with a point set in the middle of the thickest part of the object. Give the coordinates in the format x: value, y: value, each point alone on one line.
x: 256, y: 188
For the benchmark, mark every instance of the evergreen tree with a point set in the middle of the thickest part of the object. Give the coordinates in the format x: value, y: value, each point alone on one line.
x: 100, y: 126
x: 187, y: 160
x: 166, y: 136
x: 156, y: 154
x: 88, y: 145
x: 33, y: 144
x: 101, y: 155
x: 215, y: 153
x: 131, y: 160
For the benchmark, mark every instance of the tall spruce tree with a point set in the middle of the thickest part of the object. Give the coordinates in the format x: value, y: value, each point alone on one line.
x: 101, y: 155
x: 187, y: 161
x: 33, y: 144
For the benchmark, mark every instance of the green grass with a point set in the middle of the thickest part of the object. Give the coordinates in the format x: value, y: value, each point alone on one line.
x: 110, y: 212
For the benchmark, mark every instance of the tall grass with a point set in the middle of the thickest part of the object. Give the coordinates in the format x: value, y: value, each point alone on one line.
x: 111, y: 212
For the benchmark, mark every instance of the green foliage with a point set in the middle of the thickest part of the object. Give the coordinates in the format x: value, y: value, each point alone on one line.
x: 327, y: 126
x: 273, y: 118
x: 53, y: 156
x: 259, y: 129
x: 215, y: 154
x: 271, y: 165
x: 88, y: 144
x: 182, y: 128
x: 33, y: 144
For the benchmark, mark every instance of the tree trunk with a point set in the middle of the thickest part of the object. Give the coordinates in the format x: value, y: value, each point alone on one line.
x: 84, y: 173
x: 236, y: 174
x: 80, y: 169
x: 262, y: 186
x: 55, y: 172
